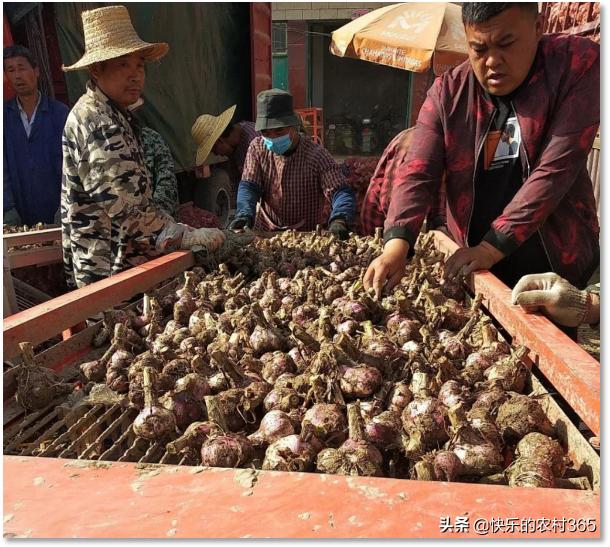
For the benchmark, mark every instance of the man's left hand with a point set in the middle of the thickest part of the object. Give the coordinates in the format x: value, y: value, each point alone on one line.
x: 469, y: 259
x: 338, y: 228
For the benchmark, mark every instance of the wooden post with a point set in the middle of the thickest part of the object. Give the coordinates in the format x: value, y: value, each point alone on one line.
x: 9, y: 299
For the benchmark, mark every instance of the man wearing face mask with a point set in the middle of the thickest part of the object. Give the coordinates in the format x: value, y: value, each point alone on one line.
x: 516, y: 210
x: 290, y: 176
x: 109, y: 219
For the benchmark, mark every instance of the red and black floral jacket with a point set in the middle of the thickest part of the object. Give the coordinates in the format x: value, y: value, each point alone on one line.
x: 558, y: 114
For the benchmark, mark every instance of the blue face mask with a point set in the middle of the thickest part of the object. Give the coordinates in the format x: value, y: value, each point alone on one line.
x: 279, y: 145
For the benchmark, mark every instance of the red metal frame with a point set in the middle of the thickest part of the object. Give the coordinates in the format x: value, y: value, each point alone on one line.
x: 260, y: 46
x: 7, y: 39
x: 571, y: 370
x: 45, y: 320
x: 119, y: 500
x: 314, y: 118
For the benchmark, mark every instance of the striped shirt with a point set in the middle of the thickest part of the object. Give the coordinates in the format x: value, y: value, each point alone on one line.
x: 294, y: 187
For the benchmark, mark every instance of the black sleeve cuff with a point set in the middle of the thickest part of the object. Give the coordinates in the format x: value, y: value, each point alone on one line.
x: 500, y: 241
x: 400, y: 232
x: 434, y: 223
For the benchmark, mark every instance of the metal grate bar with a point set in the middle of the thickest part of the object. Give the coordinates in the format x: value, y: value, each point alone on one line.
x: 169, y: 458
x: 116, y: 446
x: 154, y: 452
x: 135, y: 451
x: 30, y: 418
x: 71, y: 431
x: 38, y: 443
x: 23, y: 437
x: 98, y: 442
x: 76, y: 446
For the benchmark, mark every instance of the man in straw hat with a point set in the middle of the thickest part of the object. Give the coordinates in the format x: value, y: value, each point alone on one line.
x: 290, y: 176
x: 109, y: 221
x: 531, y: 211
x: 218, y: 136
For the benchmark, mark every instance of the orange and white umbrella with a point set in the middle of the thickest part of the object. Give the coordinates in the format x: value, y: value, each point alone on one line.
x: 413, y: 36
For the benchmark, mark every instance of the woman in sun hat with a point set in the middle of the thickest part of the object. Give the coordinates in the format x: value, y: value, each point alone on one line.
x: 217, y: 136
x: 224, y: 145
x: 109, y: 221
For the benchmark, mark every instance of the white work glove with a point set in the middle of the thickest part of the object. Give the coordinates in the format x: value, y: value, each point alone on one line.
x: 210, y: 238
x: 561, y: 301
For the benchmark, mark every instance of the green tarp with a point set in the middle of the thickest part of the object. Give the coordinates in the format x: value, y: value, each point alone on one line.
x: 206, y: 70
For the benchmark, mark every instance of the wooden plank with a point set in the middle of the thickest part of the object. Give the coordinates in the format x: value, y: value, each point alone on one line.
x: 9, y: 300
x: 38, y: 256
x: 35, y: 236
x: 571, y: 370
x: 45, y: 320
x: 55, y: 498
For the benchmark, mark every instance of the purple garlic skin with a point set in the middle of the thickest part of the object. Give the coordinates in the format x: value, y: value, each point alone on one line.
x: 290, y: 453
x: 275, y: 364
x: 360, y: 382
x: 349, y: 327
x: 274, y: 425
x: 284, y: 399
x: 304, y: 314
x: 447, y: 466
x: 452, y: 392
x: 326, y: 422
x: 354, y: 457
x: 264, y: 340
x: 226, y: 451
x: 384, y: 429
x: 154, y: 423
x: 399, y: 397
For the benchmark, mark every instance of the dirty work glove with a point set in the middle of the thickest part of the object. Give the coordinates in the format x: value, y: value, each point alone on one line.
x: 239, y: 223
x: 210, y: 238
x: 170, y: 237
x: 338, y: 228
x: 561, y: 301
x: 12, y: 218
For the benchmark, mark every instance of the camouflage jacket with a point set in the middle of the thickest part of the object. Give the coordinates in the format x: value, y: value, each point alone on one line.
x: 160, y: 164
x: 109, y: 221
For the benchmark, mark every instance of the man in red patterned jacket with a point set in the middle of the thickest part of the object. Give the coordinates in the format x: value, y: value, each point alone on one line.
x: 511, y: 129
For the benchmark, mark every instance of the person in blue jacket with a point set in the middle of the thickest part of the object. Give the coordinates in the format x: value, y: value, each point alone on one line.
x: 33, y: 126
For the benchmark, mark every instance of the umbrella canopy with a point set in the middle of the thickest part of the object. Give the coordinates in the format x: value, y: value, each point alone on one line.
x: 412, y: 36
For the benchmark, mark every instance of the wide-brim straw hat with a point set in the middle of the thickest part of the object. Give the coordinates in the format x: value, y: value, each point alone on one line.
x: 207, y: 130
x: 109, y: 34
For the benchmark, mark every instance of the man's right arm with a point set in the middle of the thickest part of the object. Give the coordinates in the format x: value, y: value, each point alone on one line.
x: 414, y: 190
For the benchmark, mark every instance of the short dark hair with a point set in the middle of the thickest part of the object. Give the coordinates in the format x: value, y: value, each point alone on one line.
x: 479, y: 12
x: 11, y: 52
x: 227, y: 131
